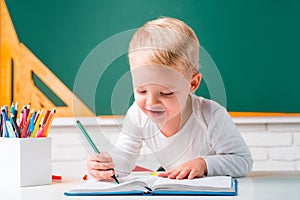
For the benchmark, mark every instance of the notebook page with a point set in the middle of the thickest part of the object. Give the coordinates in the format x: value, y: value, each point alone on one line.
x: 128, y: 183
x: 206, y: 182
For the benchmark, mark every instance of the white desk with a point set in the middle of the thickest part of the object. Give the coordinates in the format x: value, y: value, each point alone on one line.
x: 258, y: 185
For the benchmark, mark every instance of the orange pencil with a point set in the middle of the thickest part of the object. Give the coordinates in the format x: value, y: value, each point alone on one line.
x: 45, y: 117
x: 47, y: 126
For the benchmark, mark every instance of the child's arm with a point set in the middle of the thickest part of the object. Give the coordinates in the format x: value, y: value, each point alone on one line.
x: 232, y: 156
x: 127, y: 149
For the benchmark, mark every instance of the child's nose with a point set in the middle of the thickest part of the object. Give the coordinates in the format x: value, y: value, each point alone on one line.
x: 151, y: 100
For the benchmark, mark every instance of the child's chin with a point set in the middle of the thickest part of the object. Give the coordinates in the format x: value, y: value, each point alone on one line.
x: 159, y: 122
x: 158, y: 119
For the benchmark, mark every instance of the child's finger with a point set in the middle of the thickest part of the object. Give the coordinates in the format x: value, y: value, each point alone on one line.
x: 174, y: 174
x: 105, y: 166
x: 101, y: 175
x: 165, y: 174
x: 183, y: 173
x: 100, y: 166
x: 194, y: 173
x: 106, y: 175
x: 91, y: 157
x: 103, y: 157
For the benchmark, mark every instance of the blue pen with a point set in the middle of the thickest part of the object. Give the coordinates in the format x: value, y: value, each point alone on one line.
x: 12, y: 111
x: 13, y: 118
x: 31, y: 125
x: 5, y: 118
x: 1, y: 125
x: 5, y: 108
x: 15, y: 126
x: 10, y: 129
x: 16, y: 111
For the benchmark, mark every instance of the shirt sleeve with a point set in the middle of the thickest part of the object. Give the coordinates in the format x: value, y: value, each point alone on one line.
x: 129, y: 144
x: 232, y: 153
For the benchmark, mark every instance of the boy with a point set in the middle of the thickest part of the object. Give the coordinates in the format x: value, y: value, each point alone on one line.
x: 190, y: 136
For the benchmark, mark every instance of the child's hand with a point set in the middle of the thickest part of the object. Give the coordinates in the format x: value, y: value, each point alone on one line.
x: 100, y: 166
x: 191, y: 169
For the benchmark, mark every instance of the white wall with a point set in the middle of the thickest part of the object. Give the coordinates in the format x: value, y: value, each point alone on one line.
x: 274, y: 143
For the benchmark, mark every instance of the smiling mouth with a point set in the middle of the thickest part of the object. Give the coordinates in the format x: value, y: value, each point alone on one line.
x: 155, y: 113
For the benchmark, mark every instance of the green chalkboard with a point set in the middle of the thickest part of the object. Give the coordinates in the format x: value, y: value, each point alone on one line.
x: 249, y: 57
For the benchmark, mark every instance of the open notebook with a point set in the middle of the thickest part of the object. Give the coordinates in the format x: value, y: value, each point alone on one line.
x: 150, y: 185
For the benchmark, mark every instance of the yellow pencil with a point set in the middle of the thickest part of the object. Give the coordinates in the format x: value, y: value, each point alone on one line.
x: 153, y: 173
x: 37, y: 123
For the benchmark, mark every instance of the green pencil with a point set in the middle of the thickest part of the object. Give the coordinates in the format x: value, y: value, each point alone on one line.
x: 90, y: 141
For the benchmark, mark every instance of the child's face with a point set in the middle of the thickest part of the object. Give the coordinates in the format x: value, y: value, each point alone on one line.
x: 160, y: 92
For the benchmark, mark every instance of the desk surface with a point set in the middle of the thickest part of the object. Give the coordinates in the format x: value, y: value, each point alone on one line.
x: 257, y: 185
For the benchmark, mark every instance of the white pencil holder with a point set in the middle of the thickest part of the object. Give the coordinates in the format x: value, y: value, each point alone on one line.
x: 25, y: 161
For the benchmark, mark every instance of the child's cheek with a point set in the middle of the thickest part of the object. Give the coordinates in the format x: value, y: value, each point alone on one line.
x: 140, y: 102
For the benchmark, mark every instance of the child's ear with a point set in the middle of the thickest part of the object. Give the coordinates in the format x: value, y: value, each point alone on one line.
x: 195, y: 82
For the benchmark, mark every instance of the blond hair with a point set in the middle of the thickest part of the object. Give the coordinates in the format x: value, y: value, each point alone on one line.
x: 166, y: 41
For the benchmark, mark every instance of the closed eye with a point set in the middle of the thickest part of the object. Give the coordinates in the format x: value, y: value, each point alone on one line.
x: 167, y: 94
x: 141, y: 91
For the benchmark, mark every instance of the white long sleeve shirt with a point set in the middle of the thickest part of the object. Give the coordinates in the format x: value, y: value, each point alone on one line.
x: 208, y: 133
